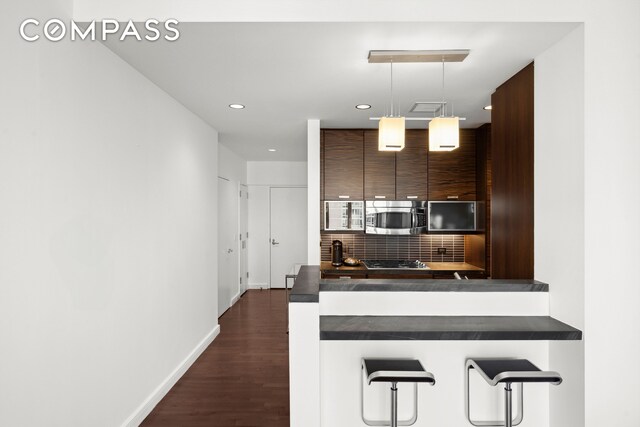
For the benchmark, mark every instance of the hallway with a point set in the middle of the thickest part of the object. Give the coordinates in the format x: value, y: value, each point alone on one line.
x: 242, y: 379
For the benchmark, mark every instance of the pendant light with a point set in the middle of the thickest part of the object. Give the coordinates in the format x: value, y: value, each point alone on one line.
x: 444, y: 132
x: 390, y: 128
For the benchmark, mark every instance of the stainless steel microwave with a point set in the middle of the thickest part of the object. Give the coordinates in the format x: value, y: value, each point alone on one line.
x: 396, y: 217
x: 343, y: 216
x: 452, y: 216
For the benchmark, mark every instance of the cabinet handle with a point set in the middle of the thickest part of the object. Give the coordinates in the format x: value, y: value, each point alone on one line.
x: 412, y: 197
x: 344, y: 277
x: 380, y: 197
x: 452, y: 197
x: 343, y: 197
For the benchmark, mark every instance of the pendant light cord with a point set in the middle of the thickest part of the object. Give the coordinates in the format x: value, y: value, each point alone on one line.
x: 391, y: 113
x: 442, y: 112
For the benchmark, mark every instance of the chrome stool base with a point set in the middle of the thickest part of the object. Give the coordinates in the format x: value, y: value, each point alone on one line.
x: 394, y: 371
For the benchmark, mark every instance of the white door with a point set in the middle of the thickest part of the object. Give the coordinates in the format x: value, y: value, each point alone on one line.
x: 288, y: 232
x: 244, y: 238
x: 228, y: 283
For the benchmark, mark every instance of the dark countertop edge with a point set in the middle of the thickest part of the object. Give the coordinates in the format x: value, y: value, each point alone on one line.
x: 450, y: 336
x: 528, y: 328
x: 431, y: 285
x: 306, y: 286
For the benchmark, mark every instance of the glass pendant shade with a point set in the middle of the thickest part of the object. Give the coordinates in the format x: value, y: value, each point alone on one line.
x: 444, y: 134
x: 391, y: 134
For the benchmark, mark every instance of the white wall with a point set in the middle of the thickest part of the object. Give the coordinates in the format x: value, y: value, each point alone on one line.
x: 261, y: 176
x: 108, y: 225
x: 559, y: 210
x: 612, y: 179
x: 276, y: 174
x: 313, y: 193
x: 231, y: 166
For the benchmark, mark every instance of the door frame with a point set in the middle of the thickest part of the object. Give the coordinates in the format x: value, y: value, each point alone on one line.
x: 235, y: 245
x: 237, y: 290
x: 243, y: 189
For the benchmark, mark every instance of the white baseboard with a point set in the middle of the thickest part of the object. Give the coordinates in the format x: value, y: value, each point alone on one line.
x: 156, y: 396
x: 235, y: 299
x: 258, y: 286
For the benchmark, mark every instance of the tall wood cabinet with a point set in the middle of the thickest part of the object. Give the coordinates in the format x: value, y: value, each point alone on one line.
x: 379, y: 169
x: 511, y: 189
x: 452, y: 174
x: 343, y: 164
x: 412, y: 166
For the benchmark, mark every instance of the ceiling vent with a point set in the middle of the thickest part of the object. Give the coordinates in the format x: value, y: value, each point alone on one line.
x: 424, y: 107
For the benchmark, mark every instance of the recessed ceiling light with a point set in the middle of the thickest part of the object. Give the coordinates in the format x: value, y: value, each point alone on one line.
x: 363, y: 106
x: 272, y: 149
x: 488, y: 107
x: 236, y: 106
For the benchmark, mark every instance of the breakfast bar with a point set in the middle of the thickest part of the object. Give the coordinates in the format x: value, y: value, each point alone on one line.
x: 335, y: 323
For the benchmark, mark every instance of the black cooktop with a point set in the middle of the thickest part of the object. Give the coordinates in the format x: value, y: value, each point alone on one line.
x: 380, y: 264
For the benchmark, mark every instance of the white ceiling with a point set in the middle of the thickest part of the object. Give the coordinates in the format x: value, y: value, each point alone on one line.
x: 286, y: 73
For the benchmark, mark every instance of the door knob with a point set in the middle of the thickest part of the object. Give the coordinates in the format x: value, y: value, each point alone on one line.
x: 273, y: 242
x: 229, y: 251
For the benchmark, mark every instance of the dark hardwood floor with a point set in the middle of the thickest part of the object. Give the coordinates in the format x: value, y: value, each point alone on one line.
x: 242, y: 378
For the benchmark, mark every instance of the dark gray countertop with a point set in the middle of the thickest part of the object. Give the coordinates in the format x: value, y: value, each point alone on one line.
x: 445, y: 328
x: 306, y: 286
x: 431, y: 285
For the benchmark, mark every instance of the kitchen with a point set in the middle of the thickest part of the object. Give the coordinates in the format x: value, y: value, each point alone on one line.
x: 426, y: 253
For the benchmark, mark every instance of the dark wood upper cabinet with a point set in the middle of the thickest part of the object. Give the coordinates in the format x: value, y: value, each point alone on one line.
x: 343, y: 164
x: 379, y: 169
x: 452, y: 174
x: 511, y: 178
x: 412, y: 166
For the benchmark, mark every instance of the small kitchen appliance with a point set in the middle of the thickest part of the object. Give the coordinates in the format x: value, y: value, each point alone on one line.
x: 336, y: 253
x: 401, y: 217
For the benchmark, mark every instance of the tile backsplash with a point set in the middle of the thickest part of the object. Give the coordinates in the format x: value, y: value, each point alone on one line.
x: 423, y: 247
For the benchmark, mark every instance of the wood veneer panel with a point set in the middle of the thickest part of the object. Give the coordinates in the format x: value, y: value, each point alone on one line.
x: 242, y: 378
x: 343, y: 164
x: 512, y: 141
x: 474, y: 249
x: 483, y: 190
x: 379, y: 169
x: 453, y: 173
x: 321, y: 180
x: 412, y: 166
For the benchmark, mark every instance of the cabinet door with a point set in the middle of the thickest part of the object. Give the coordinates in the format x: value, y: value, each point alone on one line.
x: 452, y: 174
x: 412, y: 166
x: 379, y: 169
x: 343, y: 164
